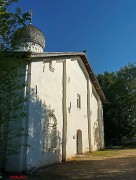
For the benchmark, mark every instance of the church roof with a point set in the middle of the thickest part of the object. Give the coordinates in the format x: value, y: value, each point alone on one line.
x: 85, y: 61
x: 29, y: 34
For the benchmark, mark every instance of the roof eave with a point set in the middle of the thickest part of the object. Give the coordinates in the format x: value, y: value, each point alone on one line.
x: 86, y: 63
x: 93, y: 78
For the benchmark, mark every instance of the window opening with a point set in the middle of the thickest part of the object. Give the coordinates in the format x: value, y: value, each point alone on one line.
x: 78, y: 101
x: 51, y: 67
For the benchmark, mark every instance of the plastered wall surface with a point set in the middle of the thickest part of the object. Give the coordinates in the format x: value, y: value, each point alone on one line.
x: 76, y: 117
x: 29, y: 46
x: 45, y: 114
x: 94, y: 120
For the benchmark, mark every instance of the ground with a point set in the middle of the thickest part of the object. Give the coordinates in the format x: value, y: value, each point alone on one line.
x: 108, y: 164
x: 111, y: 164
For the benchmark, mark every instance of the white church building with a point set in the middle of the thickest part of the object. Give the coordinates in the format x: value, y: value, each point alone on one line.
x: 64, y: 106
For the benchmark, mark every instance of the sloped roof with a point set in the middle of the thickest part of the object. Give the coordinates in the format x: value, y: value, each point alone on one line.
x: 86, y: 63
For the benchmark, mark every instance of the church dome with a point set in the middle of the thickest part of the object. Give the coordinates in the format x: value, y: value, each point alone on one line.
x: 29, y: 34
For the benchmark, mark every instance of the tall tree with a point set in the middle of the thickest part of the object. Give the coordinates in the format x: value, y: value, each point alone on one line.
x: 120, y: 113
x: 12, y: 79
x: 12, y: 101
x: 9, y: 23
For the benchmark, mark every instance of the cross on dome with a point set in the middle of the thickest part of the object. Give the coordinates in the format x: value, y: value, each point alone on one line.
x: 31, y: 16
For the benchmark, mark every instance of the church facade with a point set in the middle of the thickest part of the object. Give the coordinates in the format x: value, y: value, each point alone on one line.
x: 64, y: 107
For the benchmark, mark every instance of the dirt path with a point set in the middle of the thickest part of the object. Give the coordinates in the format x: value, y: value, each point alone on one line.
x: 110, y: 164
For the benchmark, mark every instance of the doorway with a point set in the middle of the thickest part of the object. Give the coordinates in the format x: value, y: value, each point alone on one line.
x: 79, y: 142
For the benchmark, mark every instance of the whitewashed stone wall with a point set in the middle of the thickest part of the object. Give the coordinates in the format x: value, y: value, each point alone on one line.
x: 45, y: 110
x: 45, y: 113
x: 76, y: 117
x: 29, y: 46
x: 94, y: 120
x: 46, y: 98
x: 15, y: 162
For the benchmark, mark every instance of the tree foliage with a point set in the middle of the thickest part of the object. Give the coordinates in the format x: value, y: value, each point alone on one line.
x: 120, y: 111
x: 9, y: 23
x: 12, y: 103
x: 11, y: 83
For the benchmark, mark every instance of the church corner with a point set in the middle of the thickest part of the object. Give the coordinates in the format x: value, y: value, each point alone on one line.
x: 63, y: 107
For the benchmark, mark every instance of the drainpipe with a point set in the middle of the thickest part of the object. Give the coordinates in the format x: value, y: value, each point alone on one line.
x: 89, y: 114
x: 64, y: 136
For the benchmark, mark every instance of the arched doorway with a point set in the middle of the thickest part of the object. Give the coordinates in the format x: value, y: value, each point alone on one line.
x: 79, y: 141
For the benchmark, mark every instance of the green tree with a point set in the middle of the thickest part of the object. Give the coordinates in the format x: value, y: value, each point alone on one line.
x: 120, y: 111
x: 12, y: 80
x: 12, y: 105
x: 9, y: 23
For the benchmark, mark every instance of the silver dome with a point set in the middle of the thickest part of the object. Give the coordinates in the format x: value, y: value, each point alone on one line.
x: 29, y: 34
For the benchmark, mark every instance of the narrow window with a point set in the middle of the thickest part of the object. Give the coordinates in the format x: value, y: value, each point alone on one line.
x: 78, y: 101
x: 51, y: 67
x: 36, y: 89
x: 43, y: 67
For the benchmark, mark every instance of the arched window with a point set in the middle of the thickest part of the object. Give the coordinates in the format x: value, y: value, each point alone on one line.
x: 50, y: 135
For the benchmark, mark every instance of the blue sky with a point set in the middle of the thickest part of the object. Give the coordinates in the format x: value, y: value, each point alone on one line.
x: 105, y: 28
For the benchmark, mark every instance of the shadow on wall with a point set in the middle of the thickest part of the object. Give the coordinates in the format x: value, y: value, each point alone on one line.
x: 44, y: 139
x: 96, y: 135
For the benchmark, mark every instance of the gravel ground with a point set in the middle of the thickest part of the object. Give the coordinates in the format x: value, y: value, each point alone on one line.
x: 115, y: 164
